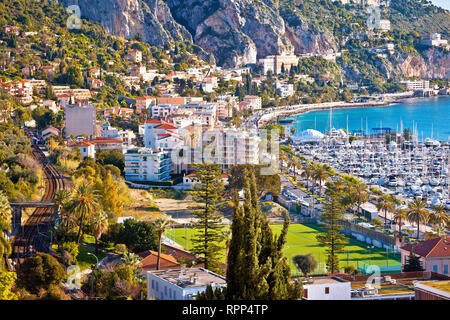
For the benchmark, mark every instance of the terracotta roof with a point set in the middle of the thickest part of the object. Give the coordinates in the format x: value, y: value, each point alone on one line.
x: 433, y: 248
x: 150, y: 260
x: 164, y: 134
x: 165, y: 126
x: 178, y: 252
x: 82, y: 143
x: 153, y: 121
x: 105, y: 140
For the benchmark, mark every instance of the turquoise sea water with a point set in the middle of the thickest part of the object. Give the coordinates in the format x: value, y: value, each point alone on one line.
x: 431, y: 117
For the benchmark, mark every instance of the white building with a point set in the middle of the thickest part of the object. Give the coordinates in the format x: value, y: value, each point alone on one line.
x: 191, y: 180
x: 86, y: 148
x: 230, y: 147
x: 163, y: 110
x: 327, y: 288
x: 254, y: 102
x: 434, y: 39
x: 144, y: 164
x: 285, y: 89
x: 161, y: 135
x: 80, y: 120
x: 181, y: 284
x: 416, y: 84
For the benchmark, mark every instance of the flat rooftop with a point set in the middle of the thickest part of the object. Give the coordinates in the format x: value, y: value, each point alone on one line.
x: 191, y: 278
x: 440, y: 285
x: 323, y: 280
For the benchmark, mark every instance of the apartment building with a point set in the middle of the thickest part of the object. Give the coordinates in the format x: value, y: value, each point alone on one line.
x: 181, y: 284
x: 276, y: 63
x: 161, y: 135
x: 80, y: 120
x: 163, y: 110
x: 228, y: 147
x: 416, y: 84
x: 144, y: 164
x: 144, y: 103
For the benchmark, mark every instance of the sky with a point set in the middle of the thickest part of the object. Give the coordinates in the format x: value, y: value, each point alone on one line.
x: 442, y: 3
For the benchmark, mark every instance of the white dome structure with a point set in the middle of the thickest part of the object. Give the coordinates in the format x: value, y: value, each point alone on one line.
x: 309, y: 135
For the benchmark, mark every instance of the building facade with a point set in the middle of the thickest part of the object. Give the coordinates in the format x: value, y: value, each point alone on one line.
x: 144, y: 164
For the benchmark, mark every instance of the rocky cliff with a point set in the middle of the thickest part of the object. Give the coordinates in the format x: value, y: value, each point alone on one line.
x: 151, y: 19
x: 234, y: 31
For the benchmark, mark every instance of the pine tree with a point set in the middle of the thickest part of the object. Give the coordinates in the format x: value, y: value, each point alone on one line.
x: 257, y: 268
x: 333, y: 240
x: 413, y: 263
x: 208, y: 219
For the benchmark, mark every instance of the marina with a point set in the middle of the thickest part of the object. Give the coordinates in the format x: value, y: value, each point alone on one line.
x: 375, y: 149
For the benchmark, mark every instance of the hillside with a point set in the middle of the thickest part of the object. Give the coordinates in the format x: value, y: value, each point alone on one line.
x: 240, y: 31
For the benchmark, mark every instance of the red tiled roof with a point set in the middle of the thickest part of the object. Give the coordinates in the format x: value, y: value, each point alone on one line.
x: 165, y: 126
x: 150, y: 259
x: 153, y: 121
x: 164, y: 134
x: 105, y: 140
x: 433, y: 248
x: 82, y: 143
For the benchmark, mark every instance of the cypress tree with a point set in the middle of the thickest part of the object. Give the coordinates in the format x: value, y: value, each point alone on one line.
x: 257, y: 269
x: 208, y: 193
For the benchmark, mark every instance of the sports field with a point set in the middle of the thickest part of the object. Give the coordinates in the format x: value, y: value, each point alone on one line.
x: 301, y: 239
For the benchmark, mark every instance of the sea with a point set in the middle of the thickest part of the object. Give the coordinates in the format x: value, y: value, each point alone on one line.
x: 430, y: 117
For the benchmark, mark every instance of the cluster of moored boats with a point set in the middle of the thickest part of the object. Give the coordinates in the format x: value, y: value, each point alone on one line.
x: 408, y: 170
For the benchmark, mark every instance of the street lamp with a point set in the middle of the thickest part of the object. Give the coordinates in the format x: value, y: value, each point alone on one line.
x: 92, y: 277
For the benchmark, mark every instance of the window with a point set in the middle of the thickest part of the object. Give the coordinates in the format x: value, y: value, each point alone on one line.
x: 157, y: 289
x: 435, y: 268
x: 327, y: 290
x: 165, y: 290
x: 445, y: 269
x: 305, y: 293
x: 153, y: 284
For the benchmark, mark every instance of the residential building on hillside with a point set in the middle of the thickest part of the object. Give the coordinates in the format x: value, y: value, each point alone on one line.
x: 161, y: 135
x: 415, y: 84
x: 144, y: 164
x: 181, y: 284
x: 49, y: 132
x: 228, y: 147
x: 80, y: 120
x: 163, y: 110
x: 86, y: 148
x: 144, y: 103
x: 434, y: 254
x: 285, y: 89
x: 277, y: 63
x: 134, y: 56
x: 149, y: 261
x: 434, y: 40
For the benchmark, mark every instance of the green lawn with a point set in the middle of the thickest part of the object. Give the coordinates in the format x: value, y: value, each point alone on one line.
x: 301, y: 239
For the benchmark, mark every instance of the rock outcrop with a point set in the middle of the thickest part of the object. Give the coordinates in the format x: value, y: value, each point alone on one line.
x: 151, y: 19
x: 434, y: 63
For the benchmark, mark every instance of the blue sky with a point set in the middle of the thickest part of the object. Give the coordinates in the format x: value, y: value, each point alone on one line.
x: 442, y: 3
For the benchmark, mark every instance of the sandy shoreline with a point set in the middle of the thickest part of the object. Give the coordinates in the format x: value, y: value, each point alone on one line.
x: 304, y: 108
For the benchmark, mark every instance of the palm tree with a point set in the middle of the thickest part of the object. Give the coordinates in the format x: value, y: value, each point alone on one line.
x: 99, y: 225
x: 417, y: 213
x: 308, y: 172
x: 321, y: 174
x: 161, y: 226
x: 400, y: 215
x: 384, y: 204
x: 360, y: 195
x: 83, y: 204
x: 5, y: 227
x: 439, y: 218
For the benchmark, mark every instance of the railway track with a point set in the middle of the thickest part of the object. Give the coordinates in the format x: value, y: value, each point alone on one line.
x: 32, y: 236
